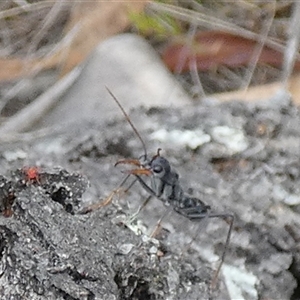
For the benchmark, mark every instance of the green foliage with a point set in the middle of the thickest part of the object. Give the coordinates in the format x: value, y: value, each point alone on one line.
x: 160, y: 26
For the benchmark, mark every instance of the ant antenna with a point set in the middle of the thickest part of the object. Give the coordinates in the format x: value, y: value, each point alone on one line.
x: 156, y: 155
x: 128, y: 119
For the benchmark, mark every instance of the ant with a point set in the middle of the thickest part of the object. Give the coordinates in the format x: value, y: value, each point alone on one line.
x: 165, y: 185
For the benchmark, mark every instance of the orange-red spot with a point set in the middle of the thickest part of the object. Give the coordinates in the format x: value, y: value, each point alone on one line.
x: 32, y: 174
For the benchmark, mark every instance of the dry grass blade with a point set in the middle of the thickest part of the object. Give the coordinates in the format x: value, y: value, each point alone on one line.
x: 36, y: 110
x: 259, y: 48
x: 49, y: 20
x: 95, y: 19
x: 193, y: 67
x: 291, y: 52
x: 205, y: 20
x: 27, y: 8
x: 39, y: 28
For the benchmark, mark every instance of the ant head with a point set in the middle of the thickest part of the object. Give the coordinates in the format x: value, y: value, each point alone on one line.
x: 145, y: 161
x: 160, y: 166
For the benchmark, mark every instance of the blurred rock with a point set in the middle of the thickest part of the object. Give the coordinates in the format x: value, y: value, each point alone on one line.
x: 131, y: 69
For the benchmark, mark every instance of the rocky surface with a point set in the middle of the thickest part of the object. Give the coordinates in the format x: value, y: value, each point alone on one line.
x: 244, y: 160
x: 236, y: 157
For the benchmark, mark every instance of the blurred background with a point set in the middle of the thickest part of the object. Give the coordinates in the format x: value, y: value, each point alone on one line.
x: 211, y: 47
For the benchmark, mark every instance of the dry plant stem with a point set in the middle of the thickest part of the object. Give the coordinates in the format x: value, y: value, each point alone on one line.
x: 193, y: 65
x: 62, y: 49
x: 92, y: 20
x: 33, y: 112
x: 185, y: 49
x: 49, y: 20
x: 31, y: 136
x: 291, y: 52
x: 27, y: 8
x: 195, y: 77
x: 96, y: 24
x: 258, y: 49
x: 11, y: 93
x: 201, y: 19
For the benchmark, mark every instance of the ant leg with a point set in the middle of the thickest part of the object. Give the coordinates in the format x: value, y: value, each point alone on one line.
x: 141, y: 207
x: 134, y: 215
x: 130, y: 186
x: 223, y: 216
x: 158, y: 226
x: 152, y: 194
x: 146, y: 186
x: 193, y: 216
x: 187, y: 247
x: 148, y: 189
x: 198, y: 212
x: 107, y: 200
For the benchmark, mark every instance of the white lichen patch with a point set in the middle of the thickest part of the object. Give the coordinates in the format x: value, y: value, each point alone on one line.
x: 188, y: 138
x: 240, y: 283
x: 14, y: 155
x: 281, y: 194
x: 292, y: 200
x: 233, y: 138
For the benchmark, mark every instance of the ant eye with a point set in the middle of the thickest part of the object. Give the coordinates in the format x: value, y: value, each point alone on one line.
x: 157, y: 169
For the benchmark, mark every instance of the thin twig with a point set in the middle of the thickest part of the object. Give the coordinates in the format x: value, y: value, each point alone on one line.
x: 201, y: 19
x: 292, y: 46
x: 193, y: 63
x: 33, y: 112
x: 258, y: 49
x: 48, y: 21
x: 27, y: 8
